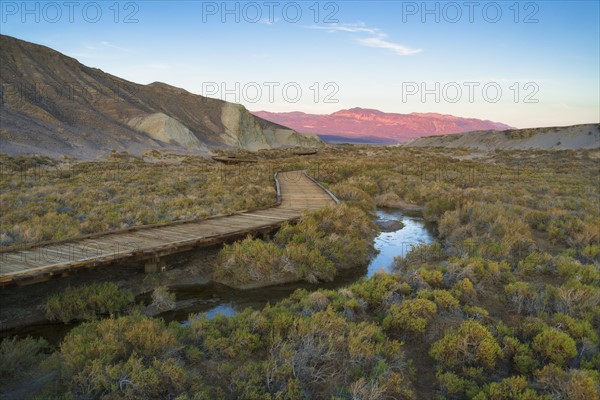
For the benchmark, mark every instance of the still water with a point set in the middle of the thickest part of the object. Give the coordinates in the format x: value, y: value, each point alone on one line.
x: 397, y: 243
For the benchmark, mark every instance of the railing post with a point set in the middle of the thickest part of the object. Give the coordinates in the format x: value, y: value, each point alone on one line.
x: 155, y: 264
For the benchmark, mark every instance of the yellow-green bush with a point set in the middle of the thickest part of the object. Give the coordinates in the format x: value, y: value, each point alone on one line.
x: 472, y: 345
x: 411, y: 315
x: 87, y: 302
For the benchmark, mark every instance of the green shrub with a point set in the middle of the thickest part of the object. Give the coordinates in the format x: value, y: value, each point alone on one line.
x: 436, y: 207
x: 554, y: 346
x: 249, y: 260
x: 314, y: 249
x: 87, y: 302
x: 572, y: 384
x: 19, y: 358
x: 410, y: 315
x: 355, y: 197
x: 163, y: 299
x: 309, y: 264
x: 129, y: 356
x: 472, y: 345
x: 513, y: 388
x: 342, y: 234
x: 443, y: 299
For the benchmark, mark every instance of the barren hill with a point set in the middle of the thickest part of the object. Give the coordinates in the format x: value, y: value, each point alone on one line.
x: 54, y: 105
x: 586, y: 136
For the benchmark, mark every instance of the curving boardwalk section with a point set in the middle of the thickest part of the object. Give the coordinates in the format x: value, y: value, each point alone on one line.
x: 296, y: 192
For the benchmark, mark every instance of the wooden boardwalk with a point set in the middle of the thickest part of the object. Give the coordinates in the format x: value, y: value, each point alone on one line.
x: 296, y: 192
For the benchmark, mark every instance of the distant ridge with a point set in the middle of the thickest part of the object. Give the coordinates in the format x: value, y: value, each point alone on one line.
x: 585, y: 136
x: 369, y: 123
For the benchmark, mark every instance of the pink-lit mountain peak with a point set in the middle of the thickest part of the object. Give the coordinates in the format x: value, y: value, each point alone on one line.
x: 365, y: 122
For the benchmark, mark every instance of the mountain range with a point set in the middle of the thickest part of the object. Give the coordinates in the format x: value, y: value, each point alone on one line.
x: 53, y: 105
x: 377, y: 126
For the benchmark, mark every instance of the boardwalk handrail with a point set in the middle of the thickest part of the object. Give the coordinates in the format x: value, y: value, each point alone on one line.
x: 337, y: 201
x: 277, y: 188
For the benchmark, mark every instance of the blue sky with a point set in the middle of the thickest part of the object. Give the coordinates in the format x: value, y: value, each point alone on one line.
x: 522, y: 63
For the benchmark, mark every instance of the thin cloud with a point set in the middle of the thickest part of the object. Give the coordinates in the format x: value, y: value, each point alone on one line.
x: 109, y: 45
x: 375, y: 37
x: 381, y: 43
x: 104, y: 45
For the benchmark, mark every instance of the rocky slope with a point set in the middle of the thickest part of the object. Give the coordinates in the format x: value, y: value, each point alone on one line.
x: 54, y: 105
x: 380, y: 126
x: 586, y: 136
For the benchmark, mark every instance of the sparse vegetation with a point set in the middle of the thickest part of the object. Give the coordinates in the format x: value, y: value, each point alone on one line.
x: 88, y: 302
x: 505, y: 306
x: 163, y: 299
x: 19, y: 358
x: 314, y: 249
x: 43, y: 199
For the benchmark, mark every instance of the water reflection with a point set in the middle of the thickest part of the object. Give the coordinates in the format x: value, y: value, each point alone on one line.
x: 399, y: 242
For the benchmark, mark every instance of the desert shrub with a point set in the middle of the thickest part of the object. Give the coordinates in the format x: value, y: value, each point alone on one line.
x: 19, y: 357
x: 480, y: 271
x: 472, y: 345
x: 420, y: 254
x: 576, y: 328
x: 454, y: 385
x: 87, y: 302
x: 355, y: 197
x: 314, y: 249
x: 567, y: 385
x: 490, y: 230
x: 522, y: 356
x: 380, y: 288
x: 309, y: 264
x: 554, y: 346
x: 578, y: 300
x: 523, y: 295
x: 431, y: 277
x: 442, y: 298
x: 535, y: 263
x: 89, y: 197
x: 569, y: 268
x: 128, y: 355
x: 464, y: 290
x: 437, y: 206
x: 342, y: 234
x: 319, y: 350
x: 249, y: 260
x: 411, y: 315
x: 514, y: 387
x: 475, y: 312
x: 163, y: 299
